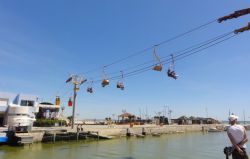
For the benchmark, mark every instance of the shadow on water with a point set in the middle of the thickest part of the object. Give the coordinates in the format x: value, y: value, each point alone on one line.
x: 67, y: 148
x: 64, y: 148
x: 127, y: 158
x: 84, y: 146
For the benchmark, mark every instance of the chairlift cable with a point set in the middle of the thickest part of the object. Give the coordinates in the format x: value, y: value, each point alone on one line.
x: 186, y: 51
x: 149, y: 67
x: 178, y: 57
x: 193, y: 47
x: 151, y: 47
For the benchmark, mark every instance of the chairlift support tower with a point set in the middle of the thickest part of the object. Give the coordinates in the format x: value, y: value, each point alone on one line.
x: 76, y: 80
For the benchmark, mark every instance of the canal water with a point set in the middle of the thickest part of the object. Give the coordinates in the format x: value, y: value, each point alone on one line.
x: 174, y: 146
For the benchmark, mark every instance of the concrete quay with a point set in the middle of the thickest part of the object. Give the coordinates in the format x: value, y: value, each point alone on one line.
x: 115, y: 131
x: 121, y: 130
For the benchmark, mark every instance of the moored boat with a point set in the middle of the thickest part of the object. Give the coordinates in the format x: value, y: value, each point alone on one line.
x: 139, y: 135
x: 156, y: 134
x: 3, y: 138
x: 214, y: 130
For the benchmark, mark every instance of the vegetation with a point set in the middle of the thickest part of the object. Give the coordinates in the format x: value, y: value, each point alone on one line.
x: 49, y: 122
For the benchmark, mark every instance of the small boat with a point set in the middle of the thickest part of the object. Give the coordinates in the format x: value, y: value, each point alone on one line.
x: 3, y: 138
x: 156, y: 134
x: 139, y: 135
x: 214, y: 130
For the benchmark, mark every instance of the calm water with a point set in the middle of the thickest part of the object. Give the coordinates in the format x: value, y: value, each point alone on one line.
x: 179, y: 146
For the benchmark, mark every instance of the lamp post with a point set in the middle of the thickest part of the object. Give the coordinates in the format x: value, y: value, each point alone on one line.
x: 62, y: 108
x: 76, y: 80
x: 169, y: 112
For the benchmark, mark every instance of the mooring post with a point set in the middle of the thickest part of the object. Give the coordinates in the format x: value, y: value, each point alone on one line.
x: 98, y: 135
x: 77, y: 136
x: 143, y: 131
x: 128, y: 134
x: 54, y: 137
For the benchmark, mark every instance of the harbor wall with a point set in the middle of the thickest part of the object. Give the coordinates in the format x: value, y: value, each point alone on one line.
x: 121, y: 130
x: 37, y: 136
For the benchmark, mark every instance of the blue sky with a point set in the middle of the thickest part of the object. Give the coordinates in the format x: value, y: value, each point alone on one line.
x: 43, y: 42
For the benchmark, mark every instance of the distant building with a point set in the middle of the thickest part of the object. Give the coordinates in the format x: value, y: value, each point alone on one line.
x: 18, y: 109
x: 48, y: 111
x: 126, y: 118
x: 183, y: 120
x: 161, y: 120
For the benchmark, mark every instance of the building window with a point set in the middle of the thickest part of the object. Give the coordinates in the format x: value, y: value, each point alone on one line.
x: 3, y: 102
x: 27, y: 103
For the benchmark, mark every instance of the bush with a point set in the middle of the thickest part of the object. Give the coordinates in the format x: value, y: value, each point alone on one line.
x: 48, y: 122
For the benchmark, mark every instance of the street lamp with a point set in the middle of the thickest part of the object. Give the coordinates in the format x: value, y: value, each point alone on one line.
x: 62, y: 108
x: 169, y: 112
x: 76, y: 80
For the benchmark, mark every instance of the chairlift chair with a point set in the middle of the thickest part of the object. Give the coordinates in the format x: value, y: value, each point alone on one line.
x: 58, y: 101
x: 105, y: 82
x: 157, y: 67
x: 70, y: 103
x: 171, y: 73
x: 90, y: 90
x: 120, y: 85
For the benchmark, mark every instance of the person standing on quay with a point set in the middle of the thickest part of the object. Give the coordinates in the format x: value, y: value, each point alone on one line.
x: 238, y: 137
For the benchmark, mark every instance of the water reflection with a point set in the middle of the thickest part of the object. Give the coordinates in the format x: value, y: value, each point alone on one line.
x: 179, y: 146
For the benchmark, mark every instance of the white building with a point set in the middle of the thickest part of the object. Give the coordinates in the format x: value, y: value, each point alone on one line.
x: 18, y: 110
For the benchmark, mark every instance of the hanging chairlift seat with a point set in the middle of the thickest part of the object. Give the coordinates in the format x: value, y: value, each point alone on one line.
x: 172, y: 74
x: 58, y: 101
x: 120, y: 85
x: 90, y: 90
x: 105, y: 82
x: 70, y: 102
x: 157, y: 68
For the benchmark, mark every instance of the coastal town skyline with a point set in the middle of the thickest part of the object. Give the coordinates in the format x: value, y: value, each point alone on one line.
x: 41, y: 45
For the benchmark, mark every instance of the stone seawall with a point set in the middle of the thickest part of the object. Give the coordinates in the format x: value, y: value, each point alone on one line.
x: 121, y: 130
